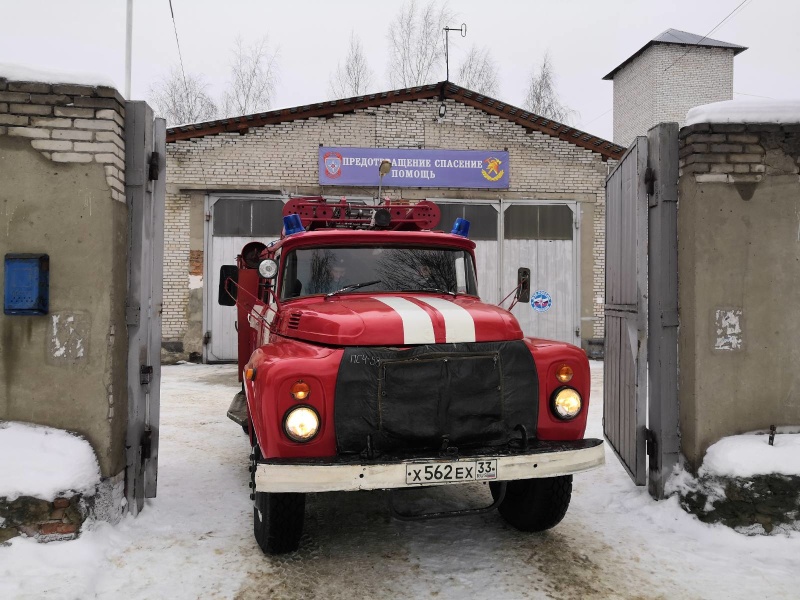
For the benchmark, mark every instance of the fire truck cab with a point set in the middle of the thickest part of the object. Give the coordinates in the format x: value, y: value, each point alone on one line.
x: 368, y: 361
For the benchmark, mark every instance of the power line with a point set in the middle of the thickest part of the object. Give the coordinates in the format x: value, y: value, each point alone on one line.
x: 717, y: 26
x: 582, y: 124
x: 186, y: 88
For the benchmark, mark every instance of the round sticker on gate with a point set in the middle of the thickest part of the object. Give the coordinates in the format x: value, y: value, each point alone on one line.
x: 541, y: 301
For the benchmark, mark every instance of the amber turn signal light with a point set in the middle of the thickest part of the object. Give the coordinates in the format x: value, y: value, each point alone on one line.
x: 250, y: 374
x: 300, y: 390
x: 564, y: 373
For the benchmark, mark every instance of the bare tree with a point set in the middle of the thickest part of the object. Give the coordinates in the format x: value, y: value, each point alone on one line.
x: 542, y: 98
x: 354, y: 77
x: 416, y: 43
x: 182, y: 100
x: 478, y: 72
x: 254, y: 74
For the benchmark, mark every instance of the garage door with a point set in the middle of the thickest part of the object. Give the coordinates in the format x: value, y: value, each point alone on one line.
x: 234, y: 221
x: 542, y: 237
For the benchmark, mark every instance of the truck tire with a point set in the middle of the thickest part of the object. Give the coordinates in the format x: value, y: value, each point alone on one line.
x: 534, y: 504
x: 277, y: 518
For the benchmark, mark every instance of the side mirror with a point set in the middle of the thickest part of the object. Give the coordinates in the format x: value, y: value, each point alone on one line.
x: 228, y: 276
x: 523, y: 285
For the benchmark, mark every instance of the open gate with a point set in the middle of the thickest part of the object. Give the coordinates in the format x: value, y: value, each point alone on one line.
x: 145, y: 182
x: 641, y: 310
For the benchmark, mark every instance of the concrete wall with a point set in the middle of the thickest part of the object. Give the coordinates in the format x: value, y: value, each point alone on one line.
x: 664, y: 82
x: 739, y: 281
x: 284, y: 157
x: 62, y: 193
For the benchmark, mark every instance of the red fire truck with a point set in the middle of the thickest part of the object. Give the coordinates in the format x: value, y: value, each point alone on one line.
x: 368, y: 361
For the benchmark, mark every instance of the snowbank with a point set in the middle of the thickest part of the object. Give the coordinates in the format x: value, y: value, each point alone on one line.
x: 22, y: 73
x: 750, y: 454
x: 745, y: 111
x: 44, y: 463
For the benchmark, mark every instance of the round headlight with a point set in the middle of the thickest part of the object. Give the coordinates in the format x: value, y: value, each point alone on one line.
x: 268, y: 268
x: 567, y: 403
x: 300, y: 390
x: 564, y: 373
x: 301, y: 424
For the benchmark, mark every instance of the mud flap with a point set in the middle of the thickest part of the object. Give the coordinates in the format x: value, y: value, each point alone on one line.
x: 237, y: 412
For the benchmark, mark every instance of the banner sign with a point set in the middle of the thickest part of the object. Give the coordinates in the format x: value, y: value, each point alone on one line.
x: 414, y: 168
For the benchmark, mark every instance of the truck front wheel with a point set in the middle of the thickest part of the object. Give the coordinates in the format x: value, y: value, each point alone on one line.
x: 534, y: 504
x: 277, y: 518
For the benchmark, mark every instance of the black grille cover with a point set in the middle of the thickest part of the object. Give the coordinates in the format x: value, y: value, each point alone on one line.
x: 472, y: 394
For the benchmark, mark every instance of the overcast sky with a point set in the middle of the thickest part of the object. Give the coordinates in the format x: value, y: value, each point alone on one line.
x: 586, y: 40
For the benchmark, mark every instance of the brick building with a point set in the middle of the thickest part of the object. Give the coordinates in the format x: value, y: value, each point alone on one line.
x: 227, y: 181
x: 670, y: 74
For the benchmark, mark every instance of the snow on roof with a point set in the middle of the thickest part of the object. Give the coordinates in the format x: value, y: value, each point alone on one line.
x: 750, y: 454
x: 22, y: 73
x: 44, y: 462
x: 746, y: 111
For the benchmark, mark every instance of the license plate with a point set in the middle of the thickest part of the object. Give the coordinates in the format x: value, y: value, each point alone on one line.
x: 451, y: 471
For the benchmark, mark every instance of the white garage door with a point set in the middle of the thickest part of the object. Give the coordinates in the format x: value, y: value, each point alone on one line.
x: 234, y: 221
x: 542, y: 238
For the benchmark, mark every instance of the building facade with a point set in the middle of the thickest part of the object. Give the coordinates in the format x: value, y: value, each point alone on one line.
x: 673, y: 72
x: 227, y: 181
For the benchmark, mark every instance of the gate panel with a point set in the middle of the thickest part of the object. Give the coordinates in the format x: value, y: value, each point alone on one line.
x: 625, y: 367
x: 145, y: 182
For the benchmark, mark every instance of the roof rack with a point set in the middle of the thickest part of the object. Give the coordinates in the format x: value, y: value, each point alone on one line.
x: 398, y: 215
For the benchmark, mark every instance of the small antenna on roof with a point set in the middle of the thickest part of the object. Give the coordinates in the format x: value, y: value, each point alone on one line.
x: 447, y: 30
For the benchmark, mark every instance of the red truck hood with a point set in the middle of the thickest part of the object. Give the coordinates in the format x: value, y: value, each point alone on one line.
x: 397, y: 320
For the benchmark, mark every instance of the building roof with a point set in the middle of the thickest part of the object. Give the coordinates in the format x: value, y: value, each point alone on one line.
x: 441, y: 90
x: 679, y: 38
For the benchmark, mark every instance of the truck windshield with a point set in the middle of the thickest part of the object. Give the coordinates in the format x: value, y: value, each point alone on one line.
x: 309, y: 271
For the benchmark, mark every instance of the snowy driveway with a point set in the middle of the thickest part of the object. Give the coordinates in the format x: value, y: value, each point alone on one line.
x: 195, y: 540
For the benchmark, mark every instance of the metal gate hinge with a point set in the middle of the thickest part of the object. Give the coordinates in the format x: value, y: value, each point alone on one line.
x: 132, y: 316
x: 652, y: 444
x: 147, y: 444
x: 145, y: 374
x: 206, y: 338
x: 208, y: 216
x: 152, y: 173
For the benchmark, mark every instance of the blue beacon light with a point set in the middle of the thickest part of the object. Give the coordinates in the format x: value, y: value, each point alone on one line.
x: 292, y: 224
x: 461, y: 227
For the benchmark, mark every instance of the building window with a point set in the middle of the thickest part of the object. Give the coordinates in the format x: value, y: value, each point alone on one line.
x: 248, y: 218
x: 534, y: 222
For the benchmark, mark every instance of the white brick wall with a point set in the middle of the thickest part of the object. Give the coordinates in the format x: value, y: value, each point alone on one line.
x: 68, y: 124
x: 653, y: 88
x: 284, y: 156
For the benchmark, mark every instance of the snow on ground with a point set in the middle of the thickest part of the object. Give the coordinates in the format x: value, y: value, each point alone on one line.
x: 745, y: 111
x: 54, y: 463
x: 195, y: 540
x: 750, y: 454
x: 14, y: 72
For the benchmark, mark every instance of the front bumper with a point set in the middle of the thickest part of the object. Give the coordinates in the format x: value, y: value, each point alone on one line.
x: 351, y: 473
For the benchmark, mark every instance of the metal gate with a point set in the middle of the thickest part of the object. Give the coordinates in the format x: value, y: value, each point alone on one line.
x: 145, y: 182
x: 641, y: 315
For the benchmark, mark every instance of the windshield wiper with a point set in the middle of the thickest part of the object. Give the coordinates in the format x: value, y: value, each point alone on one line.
x: 355, y: 286
x: 432, y: 289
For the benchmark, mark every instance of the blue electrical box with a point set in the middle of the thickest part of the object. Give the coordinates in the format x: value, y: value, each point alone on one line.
x: 27, y: 284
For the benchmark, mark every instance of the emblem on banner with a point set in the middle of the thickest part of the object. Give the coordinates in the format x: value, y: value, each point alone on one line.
x: 541, y: 301
x: 492, y: 170
x: 333, y: 164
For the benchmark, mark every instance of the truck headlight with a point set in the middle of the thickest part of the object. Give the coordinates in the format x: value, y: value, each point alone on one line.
x: 301, y: 424
x: 567, y: 403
